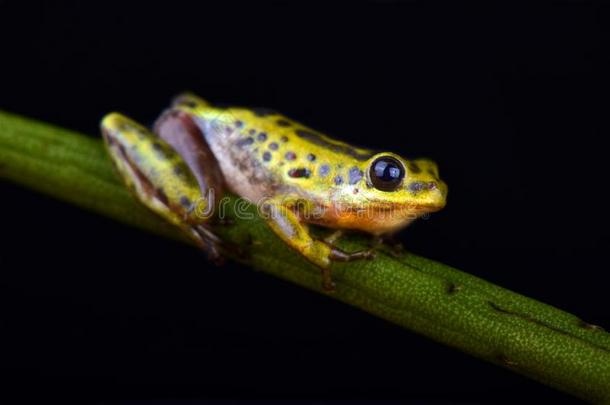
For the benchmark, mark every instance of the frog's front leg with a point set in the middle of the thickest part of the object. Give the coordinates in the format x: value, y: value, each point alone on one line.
x: 280, y: 214
x: 163, y: 181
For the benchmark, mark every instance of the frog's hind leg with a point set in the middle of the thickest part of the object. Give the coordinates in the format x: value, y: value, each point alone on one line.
x: 176, y: 126
x: 158, y: 176
x: 178, y: 129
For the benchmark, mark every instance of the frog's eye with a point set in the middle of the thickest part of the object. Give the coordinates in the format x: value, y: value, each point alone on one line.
x: 386, y: 173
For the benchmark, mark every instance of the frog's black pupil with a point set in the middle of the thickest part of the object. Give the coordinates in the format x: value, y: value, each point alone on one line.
x: 387, y: 173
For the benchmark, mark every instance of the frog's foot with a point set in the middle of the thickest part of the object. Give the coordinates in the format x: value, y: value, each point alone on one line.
x: 388, y: 243
x: 207, y: 241
x: 339, y: 255
x: 216, y: 248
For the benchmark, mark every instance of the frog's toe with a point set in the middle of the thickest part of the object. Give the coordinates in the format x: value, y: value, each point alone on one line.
x: 207, y: 241
x: 389, y: 244
x: 216, y: 248
x: 397, y: 250
x: 329, y: 286
x: 214, y: 254
x: 223, y: 221
x: 339, y: 255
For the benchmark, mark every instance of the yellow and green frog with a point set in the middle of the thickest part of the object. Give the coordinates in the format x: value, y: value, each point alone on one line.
x: 197, y: 152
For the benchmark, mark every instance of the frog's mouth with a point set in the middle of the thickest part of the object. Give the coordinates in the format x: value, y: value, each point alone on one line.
x: 432, y: 205
x: 382, y: 212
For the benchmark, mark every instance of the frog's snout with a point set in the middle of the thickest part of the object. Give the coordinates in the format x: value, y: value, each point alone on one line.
x: 434, y: 195
x: 439, y: 188
x: 426, y: 182
x: 440, y: 193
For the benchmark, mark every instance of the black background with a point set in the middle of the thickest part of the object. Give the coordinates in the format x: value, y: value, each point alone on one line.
x: 510, y: 101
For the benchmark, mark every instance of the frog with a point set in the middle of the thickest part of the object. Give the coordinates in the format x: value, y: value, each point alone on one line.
x: 197, y: 152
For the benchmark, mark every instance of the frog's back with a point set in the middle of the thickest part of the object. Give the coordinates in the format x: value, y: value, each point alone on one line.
x: 262, y: 153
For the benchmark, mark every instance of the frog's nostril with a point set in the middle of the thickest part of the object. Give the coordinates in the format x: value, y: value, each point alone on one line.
x: 416, y: 186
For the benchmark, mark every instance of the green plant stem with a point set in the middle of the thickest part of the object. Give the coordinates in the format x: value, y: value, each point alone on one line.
x: 445, y: 304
